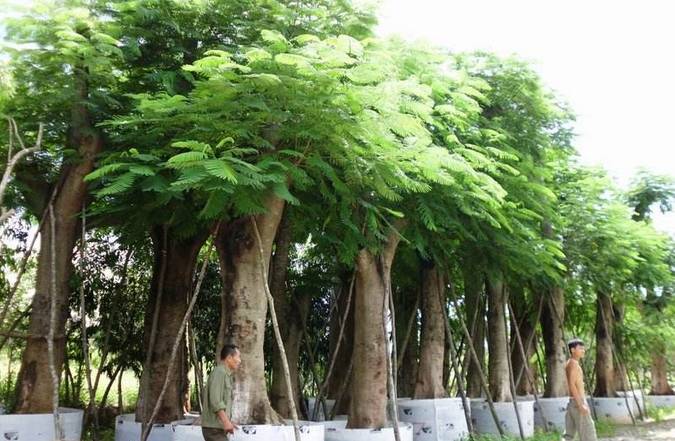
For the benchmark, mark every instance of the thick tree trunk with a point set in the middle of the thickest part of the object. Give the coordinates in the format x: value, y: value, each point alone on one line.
x: 475, y: 319
x: 604, y: 362
x: 526, y: 328
x: 34, y: 385
x: 498, y: 348
x: 244, y: 309
x: 659, y: 371
x: 369, y: 382
x: 555, y: 347
x: 407, y: 374
x: 181, y: 259
x: 432, y: 349
x: 341, y: 370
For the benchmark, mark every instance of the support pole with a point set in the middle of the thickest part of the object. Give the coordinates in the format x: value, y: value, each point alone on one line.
x: 618, y: 362
x: 472, y: 349
x: 58, y: 429
x: 526, y: 364
x: 91, y: 409
x: 512, y: 382
x: 277, y: 332
x: 390, y: 356
x: 459, y: 374
x: 329, y: 374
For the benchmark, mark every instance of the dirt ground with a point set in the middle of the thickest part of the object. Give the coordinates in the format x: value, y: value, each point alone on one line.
x: 661, y: 431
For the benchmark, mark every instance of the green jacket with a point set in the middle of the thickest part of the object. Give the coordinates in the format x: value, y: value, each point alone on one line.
x: 217, y: 396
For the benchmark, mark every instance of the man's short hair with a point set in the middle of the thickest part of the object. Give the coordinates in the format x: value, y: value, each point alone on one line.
x: 574, y: 343
x: 228, y: 350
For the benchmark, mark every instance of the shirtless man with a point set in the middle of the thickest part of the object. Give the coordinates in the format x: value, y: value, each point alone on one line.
x: 578, y: 418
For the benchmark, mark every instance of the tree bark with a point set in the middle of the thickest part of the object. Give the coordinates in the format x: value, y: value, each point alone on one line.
x: 341, y: 370
x: 369, y: 382
x: 34, y: 385
x: 659, y: 370
x: 498, y: 348
x: 407, y: 309
x: 432, y: 349
x: 180, y: 260
x: 526, y: 328
x: 244, y: 309
x: 555, y: 347
x: 604, y: 362
x: 475, y: 319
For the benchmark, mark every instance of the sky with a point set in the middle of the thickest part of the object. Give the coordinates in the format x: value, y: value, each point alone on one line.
x: 612, y: 61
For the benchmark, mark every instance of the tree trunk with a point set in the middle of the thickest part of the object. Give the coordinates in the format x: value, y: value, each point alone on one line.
x: 369, y: 382
x: 34, y: 385
x: 407, y: 374
x: 498, y: 349
x: 526, y: 328
x: 244, y: 309
x: 555, y: 347
x: 475, y: 319
x: 432, y: 349
x: 659, y: 370
x: 180, y: 261
x: 604, y: 362
x: 341, y: 370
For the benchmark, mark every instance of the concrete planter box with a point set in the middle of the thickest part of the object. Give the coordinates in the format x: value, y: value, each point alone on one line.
x: 184, y: 430
x: 40, y: 426
x: 127, y: 429
x: 336, y: 433
x: 435, y: 419
x: 551, y: 410
x: 614, y: 409
x: 661, y: 400
x: 484, y: 423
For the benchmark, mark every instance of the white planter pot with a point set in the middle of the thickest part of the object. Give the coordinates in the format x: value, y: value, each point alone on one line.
x: 184, y: 431
x: 334, y: 433
x: 435, y: 419
x: 661, y: 400
x: 40, y: 426
x: 614, y: 409
x: 127, y: 429
x: 552, y: 411
x: 320, y: 415
x: 484, y: 423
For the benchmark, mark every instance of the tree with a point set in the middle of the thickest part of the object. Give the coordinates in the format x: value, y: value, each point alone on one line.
x: 69, y: 49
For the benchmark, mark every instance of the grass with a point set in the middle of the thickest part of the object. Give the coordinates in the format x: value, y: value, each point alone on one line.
x: 538, y: 436
x: 103, y: 435
x: 659, y: 414
x: 605, y: 429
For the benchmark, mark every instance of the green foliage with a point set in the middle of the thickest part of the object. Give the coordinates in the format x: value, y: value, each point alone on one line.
x: 648, y: 190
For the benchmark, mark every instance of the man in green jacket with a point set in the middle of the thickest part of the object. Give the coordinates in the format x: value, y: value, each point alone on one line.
x: 217, y: 411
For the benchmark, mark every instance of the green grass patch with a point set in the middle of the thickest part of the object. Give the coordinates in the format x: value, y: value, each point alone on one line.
x: 605, y: 429
x: 103, y: 435
x: 659, y: 414
x: 538, y: 436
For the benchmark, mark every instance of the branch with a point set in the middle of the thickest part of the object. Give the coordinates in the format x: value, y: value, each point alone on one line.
x: 14, y: 159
